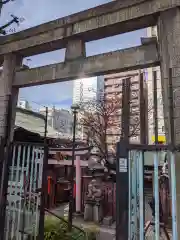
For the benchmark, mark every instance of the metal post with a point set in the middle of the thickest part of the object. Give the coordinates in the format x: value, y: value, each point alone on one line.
x: 44, y: 182
x: 156, y: 195
x: 173, y: 194
x: 143, y: 112
x: 71, y: 198
x: 156, y: 162
x: 130, y: 195
x: 171, y: 109
x: 132, y: 199
x: 141, y: 195
x: 143, y: 140
x: 136, y: 206
x: 122, y: 176
x: 172, y: 160
x: 155, y: 106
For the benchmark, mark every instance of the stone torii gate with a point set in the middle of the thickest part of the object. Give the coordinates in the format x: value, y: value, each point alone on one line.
x: 72, y: 32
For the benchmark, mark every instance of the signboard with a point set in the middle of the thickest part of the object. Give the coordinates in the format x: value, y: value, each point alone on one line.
x: 123, y: 165
x: 161, y: 139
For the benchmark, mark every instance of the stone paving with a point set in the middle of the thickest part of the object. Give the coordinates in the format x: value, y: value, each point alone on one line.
x: 108, y: 233
x: 148, y: 217
x: 104, y: 232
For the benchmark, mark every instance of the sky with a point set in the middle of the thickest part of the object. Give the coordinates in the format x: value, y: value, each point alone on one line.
x: 35, y: 12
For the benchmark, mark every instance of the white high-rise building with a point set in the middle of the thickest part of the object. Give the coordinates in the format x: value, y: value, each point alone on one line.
x: 88, y: 89
x: 152, y: 32
x: 85, y: 90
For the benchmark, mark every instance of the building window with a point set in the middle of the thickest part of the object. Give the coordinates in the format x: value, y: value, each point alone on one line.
x: 163, y: 129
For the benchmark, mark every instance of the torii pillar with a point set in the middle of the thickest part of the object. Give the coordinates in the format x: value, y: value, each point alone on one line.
x: 8, y: 95
x: 169, y: 46
x: 8, y: 101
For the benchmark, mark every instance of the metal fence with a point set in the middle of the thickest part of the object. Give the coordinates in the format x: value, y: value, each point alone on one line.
x: 140, y: 215
x: 23, y: 199
x: 147, y: 217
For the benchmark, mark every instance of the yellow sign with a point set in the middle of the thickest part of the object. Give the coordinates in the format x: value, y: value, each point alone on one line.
x: 161, y: 138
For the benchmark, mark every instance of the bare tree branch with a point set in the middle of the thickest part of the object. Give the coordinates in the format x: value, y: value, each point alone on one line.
x: 98, y: 118
x: 6, y: 1
x: 14, y: 20
x: 102, y: 119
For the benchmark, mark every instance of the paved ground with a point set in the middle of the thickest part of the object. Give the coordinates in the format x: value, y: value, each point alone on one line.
x: 148, y: 217
x: 108, y: 233
x: 104, y: 232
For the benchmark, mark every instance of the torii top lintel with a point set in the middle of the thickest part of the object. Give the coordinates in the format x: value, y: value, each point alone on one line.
x: 103, y: 21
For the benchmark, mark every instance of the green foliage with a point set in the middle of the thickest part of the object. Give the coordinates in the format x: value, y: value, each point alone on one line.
x: 91, y: 232
x: 56, y: 229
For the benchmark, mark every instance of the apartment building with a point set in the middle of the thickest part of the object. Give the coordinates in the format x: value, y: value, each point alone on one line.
x: 112, y: 88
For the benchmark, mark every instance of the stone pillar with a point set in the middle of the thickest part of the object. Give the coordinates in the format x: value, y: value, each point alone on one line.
x: 169, y: 46
x: 78, y: 184
x: 7, y: 92
x: 75, y: 49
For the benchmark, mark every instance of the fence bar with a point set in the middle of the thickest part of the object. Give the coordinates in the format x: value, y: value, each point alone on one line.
x: 173, y: 194
x: 10, y: 184
x: 141, y: 194
x: 172, y: 159
x: 133, y: 231
x: 171, y: 109
x: 143, y: 140
x: 143, y: 111
x: 43, y: 193
x: 153, y: 147
x: 130, y: 193
x: 135, y: 195
x: 156, y: 195
x: 138, y: 195
x: 156, y: 164
x: 21, y: 188
x: 27, y: 187
x: 155, y: 106
x: 31, y: 183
